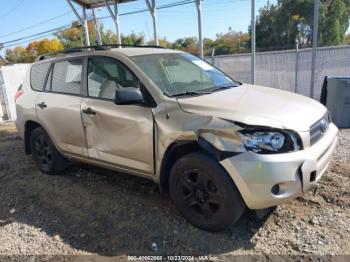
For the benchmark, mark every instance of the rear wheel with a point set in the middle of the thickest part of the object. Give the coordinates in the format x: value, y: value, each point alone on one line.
x: 204, y: 193
x: 45, y: 154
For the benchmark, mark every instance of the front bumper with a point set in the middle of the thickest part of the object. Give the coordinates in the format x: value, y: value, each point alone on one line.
x: 290, y: 174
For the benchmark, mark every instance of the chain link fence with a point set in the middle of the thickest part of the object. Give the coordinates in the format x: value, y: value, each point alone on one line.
x: 290, y: 69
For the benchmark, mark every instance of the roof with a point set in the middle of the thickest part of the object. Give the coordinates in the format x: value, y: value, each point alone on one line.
x: 99, y: 3
x: 127, y: 51
x: 136, y: 51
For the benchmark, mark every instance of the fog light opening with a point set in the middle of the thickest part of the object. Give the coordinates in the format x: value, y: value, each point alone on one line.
x: 313, y: 176
x: 275, y: 189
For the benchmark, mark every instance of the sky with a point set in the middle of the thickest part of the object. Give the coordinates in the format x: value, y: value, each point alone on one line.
x: 173, y: 23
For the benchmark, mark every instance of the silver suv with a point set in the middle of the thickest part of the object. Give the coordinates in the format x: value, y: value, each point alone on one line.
x: 215, y: 144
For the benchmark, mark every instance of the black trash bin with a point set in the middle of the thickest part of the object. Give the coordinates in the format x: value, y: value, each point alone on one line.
x: 336, y: 97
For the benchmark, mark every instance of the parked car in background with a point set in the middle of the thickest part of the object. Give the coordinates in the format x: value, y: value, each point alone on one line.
x: 215, y: 144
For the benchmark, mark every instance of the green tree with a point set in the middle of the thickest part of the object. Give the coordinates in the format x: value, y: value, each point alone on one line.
x: 188, y: 44
x: 75, y: 36
x: 266, y: 26
x: 231, y: 42
x: 2, y: 61
x: 335, y: 22
x: 28, y: 54
x: 17, y: 55
x: 133, y: 39
x: 281, y: 25
x: 347, y: 39
x: 163, y: 42
x: 108, y: 37
x: 208, y: 46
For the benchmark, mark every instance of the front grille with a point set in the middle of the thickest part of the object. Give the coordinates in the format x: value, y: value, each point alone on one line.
x: 318, y: 129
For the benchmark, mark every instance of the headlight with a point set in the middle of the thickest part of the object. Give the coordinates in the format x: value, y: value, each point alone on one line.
x: 270, y: 141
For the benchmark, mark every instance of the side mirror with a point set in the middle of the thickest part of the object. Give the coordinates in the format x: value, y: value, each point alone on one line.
x: 128, y: 96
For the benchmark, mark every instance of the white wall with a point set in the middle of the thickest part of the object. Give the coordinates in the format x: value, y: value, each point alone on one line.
x: 13, y: 76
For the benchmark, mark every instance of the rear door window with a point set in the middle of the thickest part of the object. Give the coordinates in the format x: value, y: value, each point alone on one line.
x: 66, y: 77
x: 38, y: 73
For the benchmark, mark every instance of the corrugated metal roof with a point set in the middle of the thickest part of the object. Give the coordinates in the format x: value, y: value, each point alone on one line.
x: 99, y: 3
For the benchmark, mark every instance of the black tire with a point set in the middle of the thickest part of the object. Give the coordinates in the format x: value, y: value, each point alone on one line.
x: 204, y: 193
x: 45, y: 154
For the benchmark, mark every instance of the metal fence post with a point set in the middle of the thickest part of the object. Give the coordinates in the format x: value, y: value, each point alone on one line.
x: 296, y: 67
x: 252, y: 70
x: 314, y: 45
x: 200, y: 40
x: 212, y: 56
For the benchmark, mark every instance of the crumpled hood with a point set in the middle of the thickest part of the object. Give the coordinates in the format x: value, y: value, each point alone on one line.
x: 258, y: 105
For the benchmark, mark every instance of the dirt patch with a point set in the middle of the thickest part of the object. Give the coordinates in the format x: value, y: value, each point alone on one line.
x: 95, y: 211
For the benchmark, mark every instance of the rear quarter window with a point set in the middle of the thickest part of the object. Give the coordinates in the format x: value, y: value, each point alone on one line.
x: 66, y: 77
x: 38, y: 73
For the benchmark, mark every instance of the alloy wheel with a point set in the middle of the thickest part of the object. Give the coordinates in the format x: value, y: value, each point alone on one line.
x: 43, y: 151
x: 200, y: 194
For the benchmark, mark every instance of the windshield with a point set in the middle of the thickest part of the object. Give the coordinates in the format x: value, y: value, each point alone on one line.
x: 183, y: 74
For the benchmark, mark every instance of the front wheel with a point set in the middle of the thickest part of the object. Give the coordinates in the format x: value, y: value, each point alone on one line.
x: 45, y: 154
x: 204, y: 193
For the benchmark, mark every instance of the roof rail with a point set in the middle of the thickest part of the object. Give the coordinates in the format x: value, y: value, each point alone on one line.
x: 87, y: 48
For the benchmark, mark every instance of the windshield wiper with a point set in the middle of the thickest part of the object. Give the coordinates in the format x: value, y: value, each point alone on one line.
x: 208, y: 91
x: 192, y: 93
x: 220, y: 88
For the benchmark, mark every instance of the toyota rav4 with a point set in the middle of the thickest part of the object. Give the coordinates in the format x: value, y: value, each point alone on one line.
x: 215, y: 144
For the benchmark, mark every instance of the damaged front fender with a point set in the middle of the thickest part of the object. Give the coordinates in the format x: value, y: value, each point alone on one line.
x: 174, y: 127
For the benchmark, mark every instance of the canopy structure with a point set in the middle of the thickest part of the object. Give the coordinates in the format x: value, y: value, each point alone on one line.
x: 151, y: 4
x: 98, y: 3
x: 92, y: 4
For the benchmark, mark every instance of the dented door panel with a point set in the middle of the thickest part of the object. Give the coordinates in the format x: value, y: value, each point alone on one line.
x: 61, y: 118
x: 119, y: 134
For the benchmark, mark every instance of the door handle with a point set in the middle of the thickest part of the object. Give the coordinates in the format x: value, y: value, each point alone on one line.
x: 89, y: 111
x: 42, y: 105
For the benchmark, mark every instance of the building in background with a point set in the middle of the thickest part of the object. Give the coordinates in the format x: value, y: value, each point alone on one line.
x: 11, y: 77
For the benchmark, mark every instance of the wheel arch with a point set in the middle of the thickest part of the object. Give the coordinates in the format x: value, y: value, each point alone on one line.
x: 29, y: 126
x: 180, y: 148
x: 175, y: 151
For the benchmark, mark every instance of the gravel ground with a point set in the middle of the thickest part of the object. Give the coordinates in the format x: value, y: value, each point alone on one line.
x: 93, y: 211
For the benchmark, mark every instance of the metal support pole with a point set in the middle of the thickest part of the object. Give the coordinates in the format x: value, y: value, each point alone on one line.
x: 314, y: 45
x: 83, y: 21
x: 86, y: 28
x: 200, y: 37
x: 97, y: 28
x: 116, y: 13
x: 296, y: 67
x: 115, y: 17
x: 252, y: 74
x: 212, y: 56
x: 152, y: 9
x: 74, y: 11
